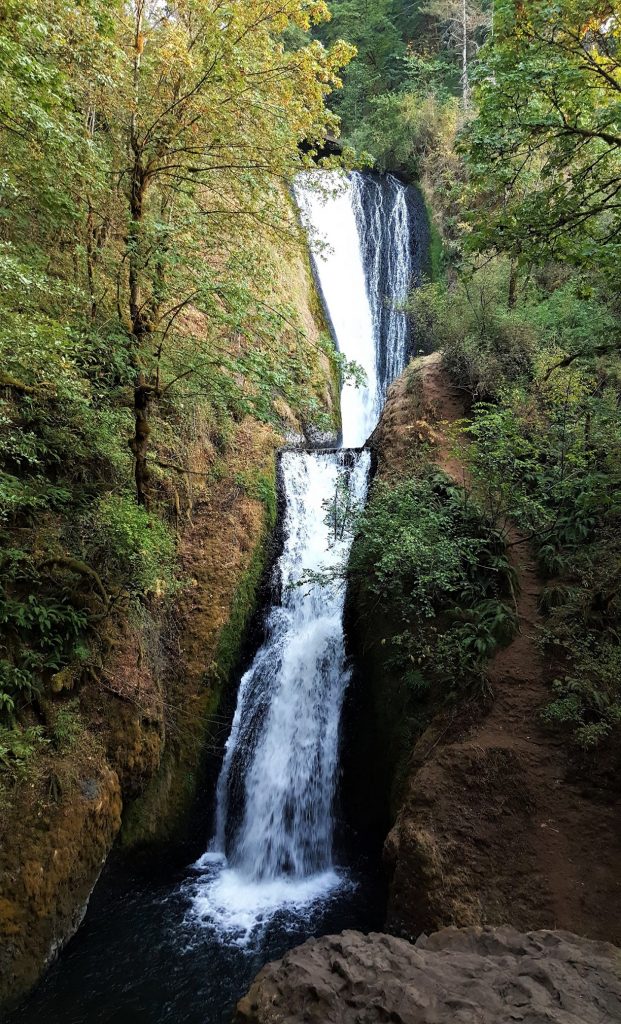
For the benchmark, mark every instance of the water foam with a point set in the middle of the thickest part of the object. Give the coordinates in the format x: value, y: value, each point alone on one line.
x: 239, y: 910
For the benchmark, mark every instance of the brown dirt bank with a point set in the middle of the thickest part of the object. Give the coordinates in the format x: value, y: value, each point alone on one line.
x: 494, y: 824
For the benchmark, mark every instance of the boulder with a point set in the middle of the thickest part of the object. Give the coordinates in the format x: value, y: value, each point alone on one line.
x: 454, y: 976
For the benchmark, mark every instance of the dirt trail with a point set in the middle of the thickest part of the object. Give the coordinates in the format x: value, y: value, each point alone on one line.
x: 492, y: 829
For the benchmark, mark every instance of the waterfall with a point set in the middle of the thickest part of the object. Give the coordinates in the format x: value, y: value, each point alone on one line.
x: 384, y: 216
x: 286, y: 728
x: 272, y: 846
x: 330, y: 217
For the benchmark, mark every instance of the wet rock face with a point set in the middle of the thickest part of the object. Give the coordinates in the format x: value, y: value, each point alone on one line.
x: 455, y: 976
x: 48, y: 872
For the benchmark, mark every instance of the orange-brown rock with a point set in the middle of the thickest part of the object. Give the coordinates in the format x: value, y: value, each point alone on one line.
x: 51, y: 858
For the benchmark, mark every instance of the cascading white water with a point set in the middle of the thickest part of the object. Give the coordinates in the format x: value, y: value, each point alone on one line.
x: 272, y: 844
x: 365, y: 277
x: 287, y: 822
x: 384, y: 222
x: 286, y: 722
x: 327, y: 204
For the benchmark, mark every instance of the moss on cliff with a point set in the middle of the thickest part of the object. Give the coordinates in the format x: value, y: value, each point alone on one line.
x: 244, y: 604
x: 163, y: 810
x: 148, y: 684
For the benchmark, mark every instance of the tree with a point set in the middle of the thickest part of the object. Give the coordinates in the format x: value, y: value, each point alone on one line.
x: 370, y: 25
x: 545, y: 151
x: 203, y: 127
x: 147, y: 150
x: 464, y: 22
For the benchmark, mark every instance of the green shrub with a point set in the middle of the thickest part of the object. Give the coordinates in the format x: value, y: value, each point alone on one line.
x: 486, y: 346
x: 41, y: 634
x: 587, y: 703
x: 581, y: 639
x: 543, y: 464
x: 17, y: 747
x: 426, y: 542
x: 62, y: 398
x: 135, y: 546
x: 572, y: 317
x: 403, y: 128
x: 426, y: 557
x: 67, y: 725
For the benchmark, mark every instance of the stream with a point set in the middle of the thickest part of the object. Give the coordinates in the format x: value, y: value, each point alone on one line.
x: 183, y: 944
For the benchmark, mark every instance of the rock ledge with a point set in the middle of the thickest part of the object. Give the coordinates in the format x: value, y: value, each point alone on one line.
x: 455, y: 976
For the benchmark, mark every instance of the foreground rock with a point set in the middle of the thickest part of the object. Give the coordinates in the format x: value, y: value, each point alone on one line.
x: 457, y: 976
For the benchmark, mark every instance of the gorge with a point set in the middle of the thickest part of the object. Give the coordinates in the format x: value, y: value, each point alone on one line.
x: 310, y: 512
x: 271, y: 874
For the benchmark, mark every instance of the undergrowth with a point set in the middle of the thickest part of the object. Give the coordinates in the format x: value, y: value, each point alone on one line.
x: 428, y: 562
x: 542, y: 451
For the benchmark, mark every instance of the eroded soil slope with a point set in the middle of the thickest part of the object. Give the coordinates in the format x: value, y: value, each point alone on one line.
x: 496, y: 822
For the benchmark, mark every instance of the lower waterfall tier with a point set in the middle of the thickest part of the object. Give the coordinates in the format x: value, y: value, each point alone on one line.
x: 274, y: 819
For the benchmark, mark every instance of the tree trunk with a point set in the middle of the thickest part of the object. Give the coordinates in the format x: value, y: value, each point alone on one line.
x: 513, y: 284
x: 90, y: 260
x: 588, y: 444
x: 140, y: 326
x: 140, y: 440
x: 464, y: 56
x: 141, y: 329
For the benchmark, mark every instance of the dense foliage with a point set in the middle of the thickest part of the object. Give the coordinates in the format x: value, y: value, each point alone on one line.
x: 509, y: 117
x: 403, y: 94
x: 428, y: 560
x: 146, y: 152
x: 543, y: 451
x: 548, y: 134
x: 547, y: 141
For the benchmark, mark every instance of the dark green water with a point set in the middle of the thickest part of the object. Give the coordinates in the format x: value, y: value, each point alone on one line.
x: 140, y: 957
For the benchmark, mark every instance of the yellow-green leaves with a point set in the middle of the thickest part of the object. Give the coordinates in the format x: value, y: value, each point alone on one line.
x: 545, y: 150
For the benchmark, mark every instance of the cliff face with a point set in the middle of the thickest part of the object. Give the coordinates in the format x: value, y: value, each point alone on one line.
x: 141, y: 731
x: 52, y: 852
x: 490, y: 824
x: 130, y: 743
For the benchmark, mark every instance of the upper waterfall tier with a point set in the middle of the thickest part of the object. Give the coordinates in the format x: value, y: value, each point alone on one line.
x: 331, y: 221
x: 368, y: 237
